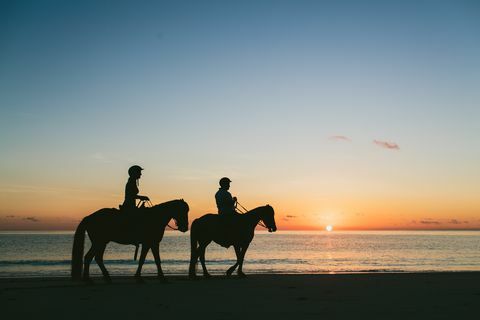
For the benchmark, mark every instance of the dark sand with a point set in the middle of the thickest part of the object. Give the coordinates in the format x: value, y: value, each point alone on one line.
x: 340, y: 296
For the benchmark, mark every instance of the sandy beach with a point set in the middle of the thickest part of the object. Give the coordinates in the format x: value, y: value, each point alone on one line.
x: 337, y: 296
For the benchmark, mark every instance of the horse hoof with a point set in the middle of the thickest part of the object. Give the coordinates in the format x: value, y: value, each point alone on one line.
x: 242, y: 275
x: 207, y: 275
x: 162, y: 279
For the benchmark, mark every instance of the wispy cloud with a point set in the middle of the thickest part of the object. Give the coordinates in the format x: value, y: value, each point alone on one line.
x: 340, y: 138
x: 427, y: 221
x: 289, y: 217
x: 438, y: 222
x: 33, y: 219
x: 386, y: 145
x: 100, y: 157
x: 455, y: 221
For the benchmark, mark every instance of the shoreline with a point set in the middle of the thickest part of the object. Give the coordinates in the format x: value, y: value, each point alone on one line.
x: 440, y: 295
x: 250, y: 274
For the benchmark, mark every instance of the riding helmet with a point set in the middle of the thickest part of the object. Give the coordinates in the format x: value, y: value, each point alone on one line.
x: 224, y: 181
x: 134, y: 169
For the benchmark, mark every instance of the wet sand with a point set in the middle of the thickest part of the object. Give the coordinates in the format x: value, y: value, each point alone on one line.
x: 336, y: 296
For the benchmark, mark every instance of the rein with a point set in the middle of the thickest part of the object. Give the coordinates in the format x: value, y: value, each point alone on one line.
x: 244, y: 210
x: 168, y: 225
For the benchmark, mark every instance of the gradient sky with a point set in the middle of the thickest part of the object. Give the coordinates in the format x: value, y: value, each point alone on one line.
x: 359, y: 114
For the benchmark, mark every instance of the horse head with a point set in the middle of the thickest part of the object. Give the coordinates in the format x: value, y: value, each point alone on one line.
x: 181, y: 215
x: 268, y: 218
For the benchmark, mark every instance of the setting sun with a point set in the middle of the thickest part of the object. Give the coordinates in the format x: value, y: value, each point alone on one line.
x: 329, y: 228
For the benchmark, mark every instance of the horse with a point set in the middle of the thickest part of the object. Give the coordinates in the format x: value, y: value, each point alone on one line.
x: 145, y: 227
x: 236, y: 230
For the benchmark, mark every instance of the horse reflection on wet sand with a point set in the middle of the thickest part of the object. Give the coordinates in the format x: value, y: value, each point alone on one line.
x: 145, y: 227
x: 237, y: 230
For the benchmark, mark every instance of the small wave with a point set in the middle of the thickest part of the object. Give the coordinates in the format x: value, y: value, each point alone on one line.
x: 132, y: 262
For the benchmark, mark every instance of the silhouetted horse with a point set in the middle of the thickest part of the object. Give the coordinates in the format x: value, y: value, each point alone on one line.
x: 237, y: 230
x: 145, y: 227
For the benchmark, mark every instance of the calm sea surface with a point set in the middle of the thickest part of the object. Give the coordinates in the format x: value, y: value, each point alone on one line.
x: 48, y: 253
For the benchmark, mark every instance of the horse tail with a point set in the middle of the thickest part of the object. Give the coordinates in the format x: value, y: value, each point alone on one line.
x: 77, y: 250
x: 193, y: 248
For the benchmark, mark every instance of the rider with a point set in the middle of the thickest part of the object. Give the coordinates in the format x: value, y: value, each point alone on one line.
x: 131, y: 189
x: 225, y: 201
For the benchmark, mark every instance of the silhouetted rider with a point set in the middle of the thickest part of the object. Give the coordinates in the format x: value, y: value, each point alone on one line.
x: 131, y: 189
x: 225, y: 201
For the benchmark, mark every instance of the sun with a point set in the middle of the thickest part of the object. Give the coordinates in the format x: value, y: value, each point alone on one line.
x: 329, y: 228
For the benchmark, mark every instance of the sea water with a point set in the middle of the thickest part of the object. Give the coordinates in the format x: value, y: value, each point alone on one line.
x: 39, y: 254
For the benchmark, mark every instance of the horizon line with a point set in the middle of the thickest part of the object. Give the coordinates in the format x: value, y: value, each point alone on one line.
x: 312, y: 230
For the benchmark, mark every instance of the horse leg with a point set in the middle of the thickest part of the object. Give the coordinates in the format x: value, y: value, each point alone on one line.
x: 158, y: 262
x: 201, y: 252
x: 232, y: 268
x: 193, y: 263
x: 243, y: 250
x: 99, y: 259
x: 86, y: 263
x: 141, y: 261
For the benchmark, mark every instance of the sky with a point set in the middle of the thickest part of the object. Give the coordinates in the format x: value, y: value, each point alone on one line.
x: 356, y: 114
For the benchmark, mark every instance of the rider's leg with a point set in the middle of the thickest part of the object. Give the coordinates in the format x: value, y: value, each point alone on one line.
x: 86, y: 262
x: 141, y: 261
x: 99, y: 259
x: 158, y: 262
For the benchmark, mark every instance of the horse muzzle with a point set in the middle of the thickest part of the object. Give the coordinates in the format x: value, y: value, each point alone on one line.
x: 272, y: 229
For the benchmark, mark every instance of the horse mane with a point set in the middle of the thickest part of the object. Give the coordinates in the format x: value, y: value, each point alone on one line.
x: 169, y: 203
x: 253, y: 211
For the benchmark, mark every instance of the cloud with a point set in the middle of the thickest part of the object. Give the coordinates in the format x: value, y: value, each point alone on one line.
x: 10, y: 216
x: 340, y: 138
x: 100, y: 157
x: 436, y: 222
x: 288, y: 217
x: 429, y: 221
x: 455, y: 221
x: 387, y: 145
x: 33, y: 219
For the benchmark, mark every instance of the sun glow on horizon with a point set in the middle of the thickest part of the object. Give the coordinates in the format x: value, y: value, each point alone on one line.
x: 329, y: 228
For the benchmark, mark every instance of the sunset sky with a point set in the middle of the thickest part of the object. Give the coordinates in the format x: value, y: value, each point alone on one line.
x: 356, y: 114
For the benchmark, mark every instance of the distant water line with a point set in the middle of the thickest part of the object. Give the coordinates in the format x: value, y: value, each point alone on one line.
x: 39, y: 254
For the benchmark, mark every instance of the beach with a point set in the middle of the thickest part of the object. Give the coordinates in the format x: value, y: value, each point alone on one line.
x: 444, y: 295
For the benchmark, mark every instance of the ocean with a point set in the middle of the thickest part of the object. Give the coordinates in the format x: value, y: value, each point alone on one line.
x: 41, y: 254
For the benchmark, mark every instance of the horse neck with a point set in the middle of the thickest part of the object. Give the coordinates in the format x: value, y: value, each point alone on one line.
x: 163, y: 215
x: 254, y: 217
